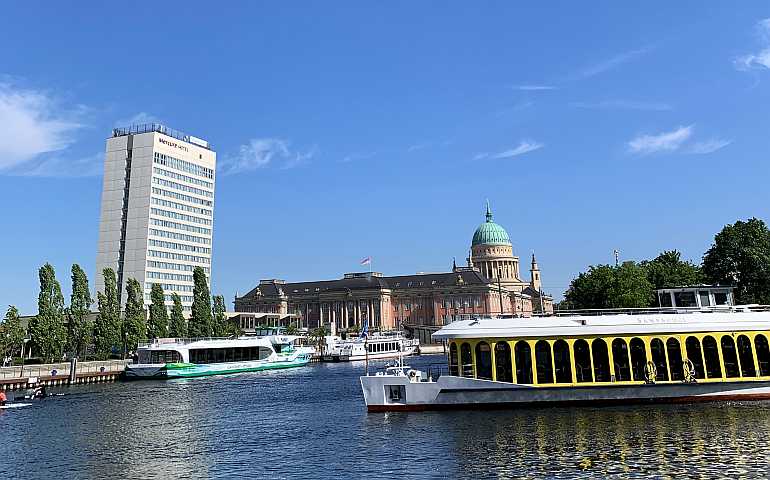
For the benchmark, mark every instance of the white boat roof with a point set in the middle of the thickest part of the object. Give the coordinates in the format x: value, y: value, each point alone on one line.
x: 190, y: 343
x: 613, y: 324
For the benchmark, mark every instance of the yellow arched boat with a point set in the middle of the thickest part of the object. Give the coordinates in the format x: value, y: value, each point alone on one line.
x: 643, y: 356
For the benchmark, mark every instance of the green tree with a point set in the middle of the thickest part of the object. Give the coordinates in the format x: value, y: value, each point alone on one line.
x: 605, y: 286
x: 11, y: 333
x: 157, y: 327
x: 47, y: 330
x: 669, y: 270
x: 79, y: 327
x: 200, y: 320
x: 740, y: 256
x: 134, y: 323
x: 220, y: 325
x: 107, y: 329
x: 178, y: 327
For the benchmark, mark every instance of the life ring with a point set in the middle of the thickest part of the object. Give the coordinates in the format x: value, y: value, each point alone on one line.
x: 689, y: 370
x: 650, y: 372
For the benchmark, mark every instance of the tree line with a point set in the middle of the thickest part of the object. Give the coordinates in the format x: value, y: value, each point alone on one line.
x: 58, y: 329
x: 739, y: 257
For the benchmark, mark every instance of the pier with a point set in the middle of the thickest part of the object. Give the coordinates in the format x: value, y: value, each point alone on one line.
x: 54, y: 374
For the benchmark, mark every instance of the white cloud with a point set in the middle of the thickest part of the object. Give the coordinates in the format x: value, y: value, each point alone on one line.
x: 32, y: 124
x: 760, y: 59
x: 534, y: 88
x: 137, y: 119
x: 525, y: 146
x: 263, y: 152
x: 609, y: 64
x: 58, y: 166
x: 662, y: 142
x: 624, y: 105
x: 708, y: 146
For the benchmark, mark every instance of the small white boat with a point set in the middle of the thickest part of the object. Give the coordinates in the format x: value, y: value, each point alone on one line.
x: 376, y: 346
x: 200, y: 357
x: 14, y: 405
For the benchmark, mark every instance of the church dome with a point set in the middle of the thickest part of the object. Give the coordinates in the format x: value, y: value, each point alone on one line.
x: 490, y: 233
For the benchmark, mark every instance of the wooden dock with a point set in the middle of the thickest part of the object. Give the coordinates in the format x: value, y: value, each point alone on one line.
x: 54, y: 374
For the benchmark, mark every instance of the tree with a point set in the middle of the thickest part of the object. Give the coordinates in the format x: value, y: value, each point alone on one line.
x: 134, y: 323
x: 11, y: 333
x: 605, y: 286
x: 200, y: 320
x: 79, y: 328
x: 740, y: 256
x: 47, y: 330
x: 220, y: 325
x: 178, y: 327
x: 107, y: 330
x: 668, y: 270
x: 157, y: 327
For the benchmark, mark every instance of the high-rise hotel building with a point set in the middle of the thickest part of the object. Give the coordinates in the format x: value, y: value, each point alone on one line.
x: 157, y: 210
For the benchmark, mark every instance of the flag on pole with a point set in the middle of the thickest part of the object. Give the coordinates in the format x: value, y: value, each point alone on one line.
x: 366, y: 261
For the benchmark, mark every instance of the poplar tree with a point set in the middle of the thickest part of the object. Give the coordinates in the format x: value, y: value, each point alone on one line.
x: 107, y: 329
x: 200, y: 320
x: 47, y: 330
x: 157, y: 327
x: 178, y: 327
x: 79, y: 327
x: 134, y: 323
x: 11, y: 333
x: 220, y: 324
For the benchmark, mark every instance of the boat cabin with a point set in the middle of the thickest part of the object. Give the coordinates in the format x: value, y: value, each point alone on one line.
x: 697, y: 296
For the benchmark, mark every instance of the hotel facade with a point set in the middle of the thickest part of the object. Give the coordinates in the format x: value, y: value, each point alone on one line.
x: 157, y: 210
x: 489, y: 284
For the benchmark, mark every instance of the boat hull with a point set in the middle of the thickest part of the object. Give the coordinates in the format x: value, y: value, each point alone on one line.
x: 372, y: 356
x: 466, y: 393
x: 170, y: 371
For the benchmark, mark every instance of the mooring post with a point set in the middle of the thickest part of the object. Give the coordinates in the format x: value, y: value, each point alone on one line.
x: 73, y: 369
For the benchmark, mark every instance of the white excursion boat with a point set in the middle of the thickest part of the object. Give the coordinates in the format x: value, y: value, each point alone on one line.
x: 378, y: 346
x: 654, y: 355
x: 199, y: 357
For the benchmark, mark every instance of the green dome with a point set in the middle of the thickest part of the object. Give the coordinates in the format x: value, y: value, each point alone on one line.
x: 490, y: 233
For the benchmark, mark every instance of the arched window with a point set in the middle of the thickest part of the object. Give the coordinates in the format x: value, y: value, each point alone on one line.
x: 747, y: 356
x: 730, y: 357
x: 711, y: 356
x: 658, y: 354
x: 561, y: 362
x: 504, y: 369
x: 543, y: 362
x: 675, y: 359
x: 620, y: 358
x: 601, y: 360
x: 523, y: 362
x: 695, y: 355
x: 466, y: 360
x: 763, y: 354
x: 638, y: 358
x: 483, y: 361
x: 582, y: 361
x: 453, y: 367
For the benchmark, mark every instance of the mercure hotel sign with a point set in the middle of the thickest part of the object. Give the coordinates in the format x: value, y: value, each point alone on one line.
x: 172, y: 144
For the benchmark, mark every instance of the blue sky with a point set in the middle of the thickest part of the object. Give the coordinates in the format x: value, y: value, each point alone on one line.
x: 354, y: 129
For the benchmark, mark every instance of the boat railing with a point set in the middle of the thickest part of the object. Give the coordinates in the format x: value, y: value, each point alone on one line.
x: 656, y: 310
x: 178, y: 341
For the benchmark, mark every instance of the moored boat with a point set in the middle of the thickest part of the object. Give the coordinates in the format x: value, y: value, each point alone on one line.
x: 661, y: 355
x: 198, y: 357
x: 374, y: 347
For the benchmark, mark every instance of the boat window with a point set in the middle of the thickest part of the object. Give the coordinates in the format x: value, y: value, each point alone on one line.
x: 453, y: 370
x: 675, y: 359
x: 620, y: 358
x: 164, y: 356
x: 638, y: 358
x: 561, y: 362
x: 720, y: 298
x: 504, y: 369
x: 746, y: 356
x: 730, y: 357
x: 466, y: 360
x: 763, y: 354
x: 582, y: 361
x: 543, y: 362
x: 685, y: 299
x: 523, y: 362
x: 704, y: 299
x: 601, y: 360
x: 664, y: 299
x: 658, y: 354
x: 695, y: 355
x: 711, y: 356
x: 483, y: 361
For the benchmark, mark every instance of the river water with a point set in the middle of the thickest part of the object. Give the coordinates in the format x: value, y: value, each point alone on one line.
x: 311, y: 423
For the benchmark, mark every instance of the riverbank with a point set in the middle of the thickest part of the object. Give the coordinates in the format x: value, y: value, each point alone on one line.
x: 53, y: 374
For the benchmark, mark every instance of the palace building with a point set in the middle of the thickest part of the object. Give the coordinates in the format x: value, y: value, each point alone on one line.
x: 490, y: 284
